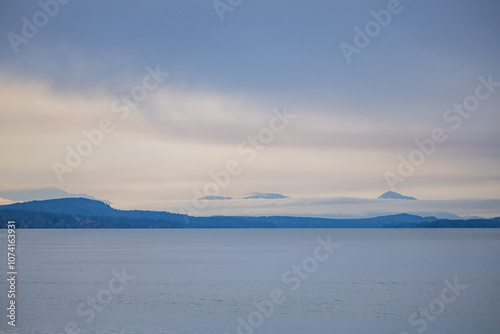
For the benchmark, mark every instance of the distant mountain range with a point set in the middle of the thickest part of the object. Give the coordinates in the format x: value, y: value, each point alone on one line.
x: 41, y: 194
x: 89, y: 213
x: 255, y: 195
x: 259, y: 195
x: 56, y: 193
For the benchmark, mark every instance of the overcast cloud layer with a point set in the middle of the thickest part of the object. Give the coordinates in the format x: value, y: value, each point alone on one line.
x: 266, y: 95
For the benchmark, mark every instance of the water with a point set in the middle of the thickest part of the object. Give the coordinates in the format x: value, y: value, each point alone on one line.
x: 256, y: 281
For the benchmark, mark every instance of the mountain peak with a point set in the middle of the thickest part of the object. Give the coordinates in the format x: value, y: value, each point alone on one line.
x: 395, y: 195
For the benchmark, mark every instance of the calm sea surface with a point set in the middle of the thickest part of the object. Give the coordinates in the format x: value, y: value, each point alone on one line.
x: 310, y: 281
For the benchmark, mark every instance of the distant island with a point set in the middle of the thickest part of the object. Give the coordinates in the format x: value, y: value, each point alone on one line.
x: 89, y: 213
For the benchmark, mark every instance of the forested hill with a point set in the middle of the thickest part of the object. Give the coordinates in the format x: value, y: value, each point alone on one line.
x: 87, y: 213
x: 84, y: 213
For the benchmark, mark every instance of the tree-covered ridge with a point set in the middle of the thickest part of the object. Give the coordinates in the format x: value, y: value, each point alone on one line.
x: 87, y: 213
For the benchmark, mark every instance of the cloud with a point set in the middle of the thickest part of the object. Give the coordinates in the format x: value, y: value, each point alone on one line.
x: 180, y: 135
x: 353, y: 121
x: 344, y: 207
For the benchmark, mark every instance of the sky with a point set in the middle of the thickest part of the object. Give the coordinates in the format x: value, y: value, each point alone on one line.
x: 154, y: 104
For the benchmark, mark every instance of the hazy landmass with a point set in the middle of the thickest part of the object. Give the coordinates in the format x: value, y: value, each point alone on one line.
x: 87, y: 213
